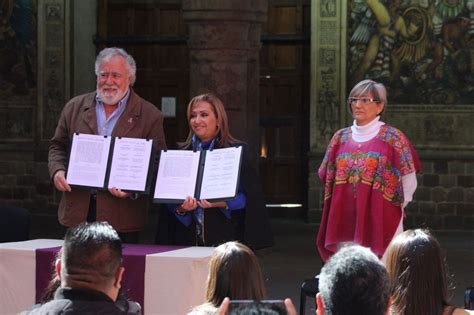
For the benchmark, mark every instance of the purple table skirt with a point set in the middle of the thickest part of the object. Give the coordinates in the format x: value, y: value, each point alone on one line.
x: 133, y: 282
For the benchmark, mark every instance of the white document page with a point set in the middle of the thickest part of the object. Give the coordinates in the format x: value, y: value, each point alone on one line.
x: 177, y: 173
x: 221, y: 173
x: 88, y: 160
x: 130, y: 163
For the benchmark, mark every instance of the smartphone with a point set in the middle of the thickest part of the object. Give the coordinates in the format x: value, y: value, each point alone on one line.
x: 264, y: 307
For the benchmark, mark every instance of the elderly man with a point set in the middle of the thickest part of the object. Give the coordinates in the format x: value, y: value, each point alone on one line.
x: 114, y: 109
x: 90, y: 269
x: 352, y: 282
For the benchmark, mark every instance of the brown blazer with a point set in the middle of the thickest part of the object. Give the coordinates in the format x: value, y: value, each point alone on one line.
x: 141, y: 119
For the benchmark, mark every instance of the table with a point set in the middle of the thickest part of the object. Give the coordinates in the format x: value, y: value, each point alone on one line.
x: 174, y: 280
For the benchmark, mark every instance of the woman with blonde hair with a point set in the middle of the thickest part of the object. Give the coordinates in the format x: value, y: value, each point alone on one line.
x: 417, y: 273
x: 203, y: 223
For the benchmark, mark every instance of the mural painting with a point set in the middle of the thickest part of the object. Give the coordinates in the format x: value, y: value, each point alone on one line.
x: 18, y: 55
x: 422, y: 50
x: 17, y: 51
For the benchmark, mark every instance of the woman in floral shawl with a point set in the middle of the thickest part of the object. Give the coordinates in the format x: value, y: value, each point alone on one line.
x: 369, y: 175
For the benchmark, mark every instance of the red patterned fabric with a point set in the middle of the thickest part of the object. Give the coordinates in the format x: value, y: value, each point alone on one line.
x: 363, y: 192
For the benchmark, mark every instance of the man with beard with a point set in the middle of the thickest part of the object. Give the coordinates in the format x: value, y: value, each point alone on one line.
x: 114, y: 109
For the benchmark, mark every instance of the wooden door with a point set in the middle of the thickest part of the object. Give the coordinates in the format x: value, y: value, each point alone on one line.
x: 154, y: 33
x: 284, y: 105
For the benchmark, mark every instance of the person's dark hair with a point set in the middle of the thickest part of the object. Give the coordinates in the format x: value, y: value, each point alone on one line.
x: 225, y: 139
x: 417, y: 271
x: 234, y: 272
x: 48, y: 293
x: 91, y: 254
x: 53, y: 284
x: 369, y: 87
x: 354, y: 281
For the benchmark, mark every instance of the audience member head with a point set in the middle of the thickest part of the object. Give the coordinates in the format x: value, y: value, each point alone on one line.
x: 417, y: 272
x: 91, y: 258
x: 234, y: 272
x: 353, y: 281
x: 219, y: 119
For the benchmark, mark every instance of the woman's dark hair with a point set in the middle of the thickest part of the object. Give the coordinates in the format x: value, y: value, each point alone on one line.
x: 417, y: 272
x: 225, y: 139
x: 234, y: 272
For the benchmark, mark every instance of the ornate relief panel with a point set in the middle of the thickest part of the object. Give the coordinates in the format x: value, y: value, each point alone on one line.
x: 53, y: 19
x: 326, y: 64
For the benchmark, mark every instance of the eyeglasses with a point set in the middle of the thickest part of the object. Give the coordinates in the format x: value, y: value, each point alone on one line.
x: 365, y: 100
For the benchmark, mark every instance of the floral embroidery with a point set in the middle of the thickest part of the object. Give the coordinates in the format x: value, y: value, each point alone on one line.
x: 400, y: 143
x: 370, y: 168
x: 379, y: 171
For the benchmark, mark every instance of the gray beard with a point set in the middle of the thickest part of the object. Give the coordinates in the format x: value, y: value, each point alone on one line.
x: 110, y: 100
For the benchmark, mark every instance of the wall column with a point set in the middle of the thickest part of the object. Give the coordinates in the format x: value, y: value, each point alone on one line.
x: 328, y: 112
x: 224, y: 44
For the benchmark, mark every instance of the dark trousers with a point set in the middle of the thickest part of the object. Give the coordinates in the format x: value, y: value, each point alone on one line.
x: 126, y: 237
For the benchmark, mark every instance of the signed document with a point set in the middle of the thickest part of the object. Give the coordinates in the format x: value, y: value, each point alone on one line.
x: 88, y: 160
x: 130, y: 164
x: 211, y: 175
x: 103, y: 162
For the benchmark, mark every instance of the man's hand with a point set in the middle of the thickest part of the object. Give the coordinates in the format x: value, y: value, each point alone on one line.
x: 60, y: 181
x: 118, y: 193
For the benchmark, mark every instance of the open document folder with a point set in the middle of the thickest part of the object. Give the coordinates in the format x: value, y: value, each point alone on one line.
x: 105, y: 162
x: 212, y: 175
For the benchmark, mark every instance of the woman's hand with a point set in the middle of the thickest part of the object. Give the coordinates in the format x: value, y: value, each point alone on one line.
x: 117, y: 192
x: 206, y: 204
x: 189, y: 204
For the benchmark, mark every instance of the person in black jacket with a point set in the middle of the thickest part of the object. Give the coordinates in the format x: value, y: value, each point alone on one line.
x: 204, y: 223
x: 90, y: 271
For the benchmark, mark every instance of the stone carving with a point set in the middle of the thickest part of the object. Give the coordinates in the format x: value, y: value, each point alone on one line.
x: 328, y: 8
x: 328, y: 111
x: 328, y: 100
x: 53, y: 99
x: 53, y: 12
x: 54, y: 35
x: 328, y: 33
x: 327, y: 58
x: 53, y: 87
